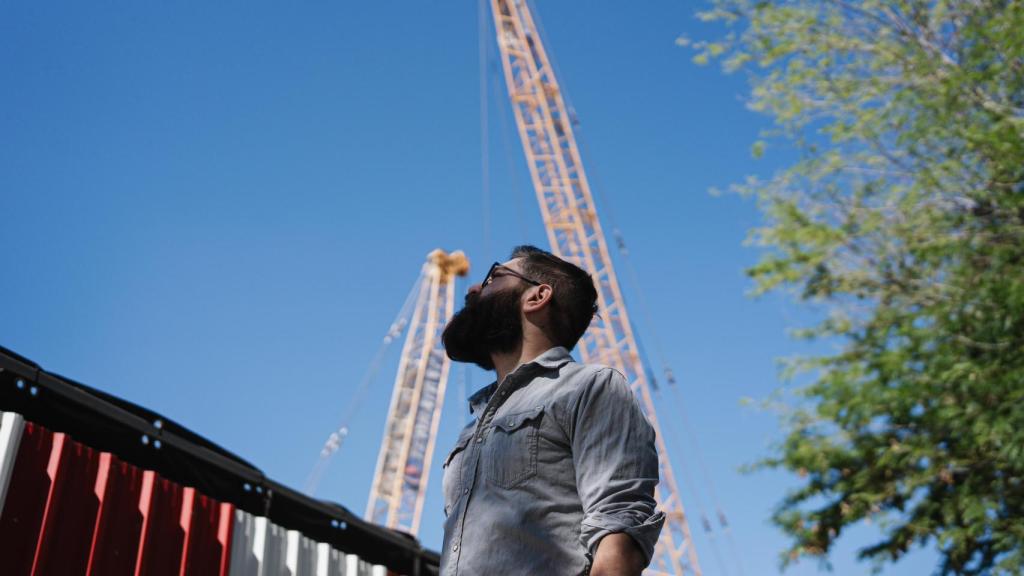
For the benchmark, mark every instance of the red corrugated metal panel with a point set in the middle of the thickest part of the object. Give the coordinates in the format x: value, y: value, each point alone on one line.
x: 26, y: 501
x: 161, y: 544
x: 115, y: 541
x: 70, y: 514
x: 206, y: 547
x: 224, y: 536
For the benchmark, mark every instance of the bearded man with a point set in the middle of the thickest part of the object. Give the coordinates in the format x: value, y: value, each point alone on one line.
x: 556, y: 473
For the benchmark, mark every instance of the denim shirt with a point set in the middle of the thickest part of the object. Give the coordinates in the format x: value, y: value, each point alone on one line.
x: 558, y: 455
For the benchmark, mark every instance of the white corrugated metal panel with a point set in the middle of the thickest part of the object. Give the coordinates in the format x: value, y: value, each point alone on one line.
x: 301, y: 556
x: 329, y: 561
x: 261, y: 548
x: 243, y: 537
x: 274, y: 550
x: 358, y: 566
x: 352, y: 565
x: 11, y: 426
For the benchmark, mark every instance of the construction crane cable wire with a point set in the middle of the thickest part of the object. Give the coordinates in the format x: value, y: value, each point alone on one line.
x: 402, y: 473
x: 546, y: 127
x: 485, y: 169
x: 633, y: 279
x: 490, y: 72
x: 691, y: 486
x: 518, y: 191
x: 679, y: 405
x: 555, y: 68
x: 337, y: 437
x: 699, y: 456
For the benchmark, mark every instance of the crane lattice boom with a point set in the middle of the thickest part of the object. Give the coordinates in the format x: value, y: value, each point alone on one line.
x: 403, y: 465
x: 574, y: 232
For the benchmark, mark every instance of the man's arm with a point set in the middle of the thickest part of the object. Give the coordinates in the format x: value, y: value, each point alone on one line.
x: 618, y: 555
x: 613, y: 450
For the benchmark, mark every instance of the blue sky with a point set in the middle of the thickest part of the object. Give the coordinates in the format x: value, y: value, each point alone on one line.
x: 216, y: 209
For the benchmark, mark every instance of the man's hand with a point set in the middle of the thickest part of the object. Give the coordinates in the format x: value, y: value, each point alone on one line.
x: 617, y: 555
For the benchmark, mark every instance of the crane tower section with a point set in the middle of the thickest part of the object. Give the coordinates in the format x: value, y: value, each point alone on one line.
x: 403, y: 465
x: 574, y: 231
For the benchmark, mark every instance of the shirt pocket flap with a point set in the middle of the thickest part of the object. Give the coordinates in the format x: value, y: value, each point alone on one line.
x: 460, y: 445
x: 512, y: 422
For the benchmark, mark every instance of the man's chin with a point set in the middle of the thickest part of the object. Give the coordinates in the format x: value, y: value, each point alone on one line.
x: 480, y: 359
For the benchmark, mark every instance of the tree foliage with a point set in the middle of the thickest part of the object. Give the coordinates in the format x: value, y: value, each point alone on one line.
x: 903, y: 217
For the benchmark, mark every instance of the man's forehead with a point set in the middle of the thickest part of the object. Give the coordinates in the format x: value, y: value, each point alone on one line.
x: 514, y: 264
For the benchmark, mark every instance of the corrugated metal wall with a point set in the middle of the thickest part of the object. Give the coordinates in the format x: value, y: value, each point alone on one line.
x: 94, y: 484
x: 66, y: 508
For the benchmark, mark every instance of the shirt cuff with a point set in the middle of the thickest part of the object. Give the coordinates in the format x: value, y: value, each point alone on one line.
x: 644, y: 532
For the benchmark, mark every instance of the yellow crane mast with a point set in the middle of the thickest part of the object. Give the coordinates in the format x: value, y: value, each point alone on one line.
x: 403, y: 465
x: 574, y: 232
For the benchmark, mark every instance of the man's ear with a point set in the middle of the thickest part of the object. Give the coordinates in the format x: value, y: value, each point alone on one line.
x: 537, y: 298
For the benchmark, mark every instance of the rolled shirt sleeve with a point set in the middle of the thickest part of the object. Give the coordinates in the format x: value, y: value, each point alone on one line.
x: 616, y: 464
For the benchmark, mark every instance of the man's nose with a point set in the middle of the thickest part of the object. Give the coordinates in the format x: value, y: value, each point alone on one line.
x: 474, y: 289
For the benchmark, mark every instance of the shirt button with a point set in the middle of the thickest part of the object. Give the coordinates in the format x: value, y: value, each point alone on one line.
x: 479, y: 439
x: 465, y: 490
x: 455, y: 548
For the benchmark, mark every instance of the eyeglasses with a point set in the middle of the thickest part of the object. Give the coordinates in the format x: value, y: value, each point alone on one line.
x: 507, y: 272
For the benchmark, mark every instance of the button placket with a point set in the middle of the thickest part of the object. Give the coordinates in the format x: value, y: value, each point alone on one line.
x: 474, y: 456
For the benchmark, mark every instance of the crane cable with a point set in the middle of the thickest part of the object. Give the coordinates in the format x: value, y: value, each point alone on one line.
x: 485, y: 168
x: 336, y: 438
x: 489, y: 69
x: 680, y: 408
x: 641, y: 300
x: 635, y: 285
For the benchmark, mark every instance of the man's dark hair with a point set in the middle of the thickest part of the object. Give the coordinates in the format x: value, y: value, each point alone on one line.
x: 574, y: 298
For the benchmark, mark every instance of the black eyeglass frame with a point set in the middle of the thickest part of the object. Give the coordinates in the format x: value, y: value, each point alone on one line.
x: 490, y: 275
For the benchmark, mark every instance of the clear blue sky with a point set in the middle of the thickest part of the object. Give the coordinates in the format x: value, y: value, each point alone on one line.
x: 216, y: 209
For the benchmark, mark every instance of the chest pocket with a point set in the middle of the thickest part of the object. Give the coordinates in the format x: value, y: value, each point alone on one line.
x: 510, y: 452
x: 451, y: 482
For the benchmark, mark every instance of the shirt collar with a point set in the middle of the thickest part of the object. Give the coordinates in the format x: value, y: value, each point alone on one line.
x: 552, y: 359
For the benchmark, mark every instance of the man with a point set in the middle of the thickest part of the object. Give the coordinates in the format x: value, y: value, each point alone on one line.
x: 556, y: 473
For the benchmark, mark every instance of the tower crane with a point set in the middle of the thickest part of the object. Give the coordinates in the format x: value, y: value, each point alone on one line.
x: 403, y: 464
x: 574, y: 232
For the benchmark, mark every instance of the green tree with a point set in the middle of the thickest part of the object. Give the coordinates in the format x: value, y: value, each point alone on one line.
x: 902, y: 218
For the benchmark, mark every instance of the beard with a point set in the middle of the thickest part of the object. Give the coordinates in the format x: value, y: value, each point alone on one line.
x: 484, y: 326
